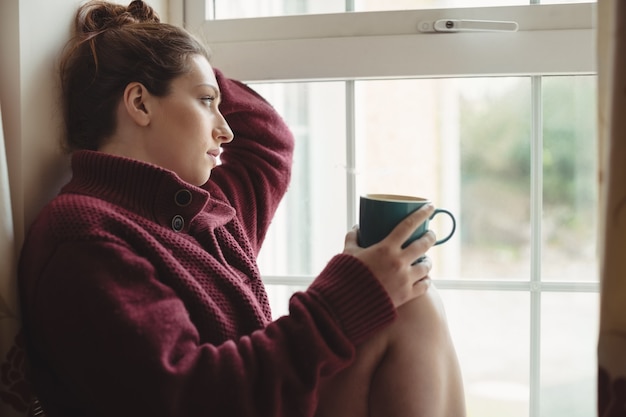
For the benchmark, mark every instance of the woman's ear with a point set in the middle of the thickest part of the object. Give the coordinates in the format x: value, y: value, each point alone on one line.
x: 135, y: 101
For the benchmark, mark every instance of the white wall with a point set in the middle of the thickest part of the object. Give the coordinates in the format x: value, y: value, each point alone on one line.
x: 32, y: 34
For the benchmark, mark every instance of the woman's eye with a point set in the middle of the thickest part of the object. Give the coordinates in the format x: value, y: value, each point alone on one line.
x: 208, y: 99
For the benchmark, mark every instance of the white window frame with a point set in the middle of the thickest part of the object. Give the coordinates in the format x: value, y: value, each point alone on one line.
x: 551, y: 40
x: 554, y: 39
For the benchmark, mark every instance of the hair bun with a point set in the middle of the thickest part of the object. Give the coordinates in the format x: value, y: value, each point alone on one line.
x: 142, y: 12
x: 97, y: 16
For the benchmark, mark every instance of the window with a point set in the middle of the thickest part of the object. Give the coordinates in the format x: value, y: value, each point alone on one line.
x: 498, y: 127
x: 219, y: 9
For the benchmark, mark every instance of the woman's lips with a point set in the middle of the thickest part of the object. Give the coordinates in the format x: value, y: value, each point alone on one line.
x: 214, y: 155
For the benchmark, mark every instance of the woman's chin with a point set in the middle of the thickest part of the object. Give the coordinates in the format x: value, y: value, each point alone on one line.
x: 199, y: 179
x: 204, y: 178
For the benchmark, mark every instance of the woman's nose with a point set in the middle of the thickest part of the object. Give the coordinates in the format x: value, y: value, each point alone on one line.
x: 223, y: 132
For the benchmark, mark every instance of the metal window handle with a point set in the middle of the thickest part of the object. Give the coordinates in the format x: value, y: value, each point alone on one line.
x: 461, y: 25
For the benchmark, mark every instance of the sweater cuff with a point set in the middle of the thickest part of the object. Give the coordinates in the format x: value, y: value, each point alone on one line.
x: 354, y: 297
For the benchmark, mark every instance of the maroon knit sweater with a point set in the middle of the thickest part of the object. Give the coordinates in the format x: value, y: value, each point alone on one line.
x: 141, y: 295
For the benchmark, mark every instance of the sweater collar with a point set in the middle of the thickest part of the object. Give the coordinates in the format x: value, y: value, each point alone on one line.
x: 146, y: 189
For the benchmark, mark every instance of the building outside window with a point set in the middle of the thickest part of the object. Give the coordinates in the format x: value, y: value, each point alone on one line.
x: 498, y: 127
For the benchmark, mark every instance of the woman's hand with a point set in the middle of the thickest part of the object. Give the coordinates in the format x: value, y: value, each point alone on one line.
x: 394, y: 266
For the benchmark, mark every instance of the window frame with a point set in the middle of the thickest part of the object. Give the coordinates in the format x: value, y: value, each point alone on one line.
x: 551, y: 40
x: 249, y: 48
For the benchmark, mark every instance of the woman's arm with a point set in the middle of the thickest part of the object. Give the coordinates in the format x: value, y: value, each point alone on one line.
x: 256, y: 165
x: 107, y: 335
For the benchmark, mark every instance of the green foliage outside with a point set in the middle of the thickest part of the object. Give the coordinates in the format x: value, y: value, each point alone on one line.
x: 496, y: 164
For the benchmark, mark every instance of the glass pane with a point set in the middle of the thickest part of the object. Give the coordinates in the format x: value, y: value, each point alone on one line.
x: 308, y: 230
x: 569, y: 334
x: 279, y: 296
x: 490, y: 332
x: 381, y: 5
x: 566, y: 1
x: 570, y: 192
x: 234, y: 9
x: 495, y: 177
x: 464, y: 144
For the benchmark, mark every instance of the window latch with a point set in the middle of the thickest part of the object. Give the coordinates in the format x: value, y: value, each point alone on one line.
x: 461, y: 25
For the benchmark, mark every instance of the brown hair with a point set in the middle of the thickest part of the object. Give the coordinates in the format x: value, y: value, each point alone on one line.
x: 115, y: 45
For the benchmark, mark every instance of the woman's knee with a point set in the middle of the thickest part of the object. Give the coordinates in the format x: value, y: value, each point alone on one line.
x: 412, y: 361
x: 421, y: 318
x: 419, y: 374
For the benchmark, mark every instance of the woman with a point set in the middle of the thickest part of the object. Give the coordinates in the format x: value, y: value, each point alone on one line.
x: 139, y: 285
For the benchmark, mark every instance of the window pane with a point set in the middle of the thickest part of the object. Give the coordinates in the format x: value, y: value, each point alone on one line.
x: 464, y: 144
x: 490, y: 332
x: 495, y: 125
x: 566, y: 1
x: 569, y: 333
x: 234, y: 9
x: 381, y: 5
x: 570, y: 197
x: 279, y: 296
x: 311, y: 222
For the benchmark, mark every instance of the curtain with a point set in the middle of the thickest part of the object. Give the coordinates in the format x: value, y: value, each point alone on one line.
x: 14, y: 391
x: 612, y: 132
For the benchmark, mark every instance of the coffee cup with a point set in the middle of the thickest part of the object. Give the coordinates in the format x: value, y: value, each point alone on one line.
x: 380, y: 213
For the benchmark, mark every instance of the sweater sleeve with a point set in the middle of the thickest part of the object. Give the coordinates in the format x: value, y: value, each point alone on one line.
x: 108, y: 336
x: 256, y: 165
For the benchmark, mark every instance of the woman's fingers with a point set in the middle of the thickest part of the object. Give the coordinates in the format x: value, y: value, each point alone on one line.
x: 422, y: 268
x: 403, y: 277
x: 419, y: 281
x: 352, y: 238
x: 418, y: 248
x: 420, y: 288
x: 403, y: 231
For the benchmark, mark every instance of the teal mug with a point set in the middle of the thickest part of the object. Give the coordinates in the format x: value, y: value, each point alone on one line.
x: 380, y: 213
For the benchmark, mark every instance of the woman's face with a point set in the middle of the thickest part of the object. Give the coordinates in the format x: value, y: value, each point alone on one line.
x: 187, y: 128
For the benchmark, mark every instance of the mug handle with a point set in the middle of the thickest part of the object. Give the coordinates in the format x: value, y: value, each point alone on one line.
x: 445, y: 239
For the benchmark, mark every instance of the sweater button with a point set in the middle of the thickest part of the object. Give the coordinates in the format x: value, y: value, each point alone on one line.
x: 178, y: 223
x: 183, y: 197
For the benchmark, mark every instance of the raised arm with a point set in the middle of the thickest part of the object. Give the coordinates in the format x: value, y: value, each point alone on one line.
x: 256, y: 165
